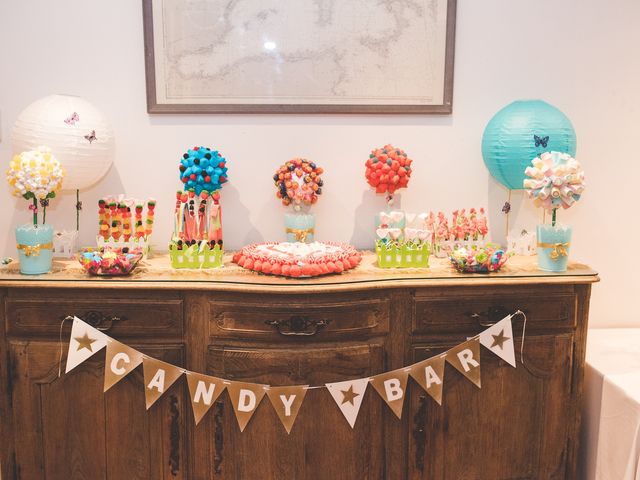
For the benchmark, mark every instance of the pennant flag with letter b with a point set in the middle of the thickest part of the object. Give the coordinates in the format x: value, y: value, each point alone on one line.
x: 348, y: 395
x: 392, y: 387
x: 286, y: 402
x: 499, y: 339
x: 466, y: 359
x: 85, y: 341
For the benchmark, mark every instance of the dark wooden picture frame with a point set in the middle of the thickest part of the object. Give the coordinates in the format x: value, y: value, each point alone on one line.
x: 153, y: 106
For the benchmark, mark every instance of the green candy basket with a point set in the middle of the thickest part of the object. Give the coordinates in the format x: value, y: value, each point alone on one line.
x: 196, y: 256
x: 402, y: 255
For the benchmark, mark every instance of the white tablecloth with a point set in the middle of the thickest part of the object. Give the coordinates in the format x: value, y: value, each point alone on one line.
x: 610, y: 447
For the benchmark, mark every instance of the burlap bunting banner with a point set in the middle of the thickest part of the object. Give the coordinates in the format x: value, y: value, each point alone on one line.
x: 499, y: 340
x: 245, y: 397
x: 348, y: 396
x: 429, y: 374
x: 120, y: 360
x: 392, y: 387
x: 85, y: 342
x: 466, y: 359
x: 286, y: 402
x: 158, y: 377
x: 203, y: 391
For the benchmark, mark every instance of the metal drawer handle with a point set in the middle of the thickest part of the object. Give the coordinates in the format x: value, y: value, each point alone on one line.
x: 492, y: 316
x: 99, y: 320
x: 298, y: 326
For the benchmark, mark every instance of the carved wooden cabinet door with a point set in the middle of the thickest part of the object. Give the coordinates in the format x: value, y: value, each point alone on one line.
x: 515, y: 426
x: 321, y: 445
x: 67, y: 428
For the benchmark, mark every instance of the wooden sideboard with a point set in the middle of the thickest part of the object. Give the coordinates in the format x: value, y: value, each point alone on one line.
x: 522, y: 424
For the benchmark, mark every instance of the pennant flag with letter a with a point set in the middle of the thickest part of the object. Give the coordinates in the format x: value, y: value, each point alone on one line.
x: 348, y: 395
x: 429, y: 374
x: 245, y: 398
x: 499, y: 339
x: 466, y: 359
x: 158, y: 377
x: 85, y: 341
x: 287, y: 402
x: 203, y: 390
x: 119, y: 362
x: 392, y: 387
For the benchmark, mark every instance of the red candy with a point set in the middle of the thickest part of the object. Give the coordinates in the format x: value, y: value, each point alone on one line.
x: 295, y: 271
x: 388, y: 169
x: 253, y: 257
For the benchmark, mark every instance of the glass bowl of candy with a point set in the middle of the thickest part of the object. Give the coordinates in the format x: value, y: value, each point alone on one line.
x: 109, y: 262
x: 479, y: 259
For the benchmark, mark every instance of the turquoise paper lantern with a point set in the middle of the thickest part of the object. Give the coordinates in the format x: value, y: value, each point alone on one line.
x: 520, y: 132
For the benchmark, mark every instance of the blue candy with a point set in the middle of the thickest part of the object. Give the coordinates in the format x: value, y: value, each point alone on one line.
x: 214, y: 167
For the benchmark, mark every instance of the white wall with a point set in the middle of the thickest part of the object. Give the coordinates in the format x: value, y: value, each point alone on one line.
x: 580, y: 55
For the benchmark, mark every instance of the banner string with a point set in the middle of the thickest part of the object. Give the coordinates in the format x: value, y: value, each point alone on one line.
x: 68, y: 317
x: 524, y: 327
x: 313, y: 387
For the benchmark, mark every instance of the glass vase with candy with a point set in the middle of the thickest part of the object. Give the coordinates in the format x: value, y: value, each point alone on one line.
x: 555, y: 180
x: 298, y: 185
x: 36, y: 176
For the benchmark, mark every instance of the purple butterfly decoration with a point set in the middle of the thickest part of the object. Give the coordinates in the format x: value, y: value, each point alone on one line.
x: 506, y: 208
x: 71, y: 120
x: 91, y: 137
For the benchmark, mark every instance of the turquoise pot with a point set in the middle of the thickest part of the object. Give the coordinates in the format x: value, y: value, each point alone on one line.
x: 35, y: 245
x: 300, y: 227
x: 553, y: 247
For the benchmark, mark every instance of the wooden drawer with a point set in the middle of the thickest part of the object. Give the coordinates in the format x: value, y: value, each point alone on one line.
x: 299, y: 316
x: 149, y: 315
x: 473, y: 312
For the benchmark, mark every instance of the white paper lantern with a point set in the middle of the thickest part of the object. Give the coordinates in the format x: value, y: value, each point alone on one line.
x: 77, y: 133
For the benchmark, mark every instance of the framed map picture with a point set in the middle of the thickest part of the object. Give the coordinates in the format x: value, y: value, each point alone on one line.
x: 299, y: 56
